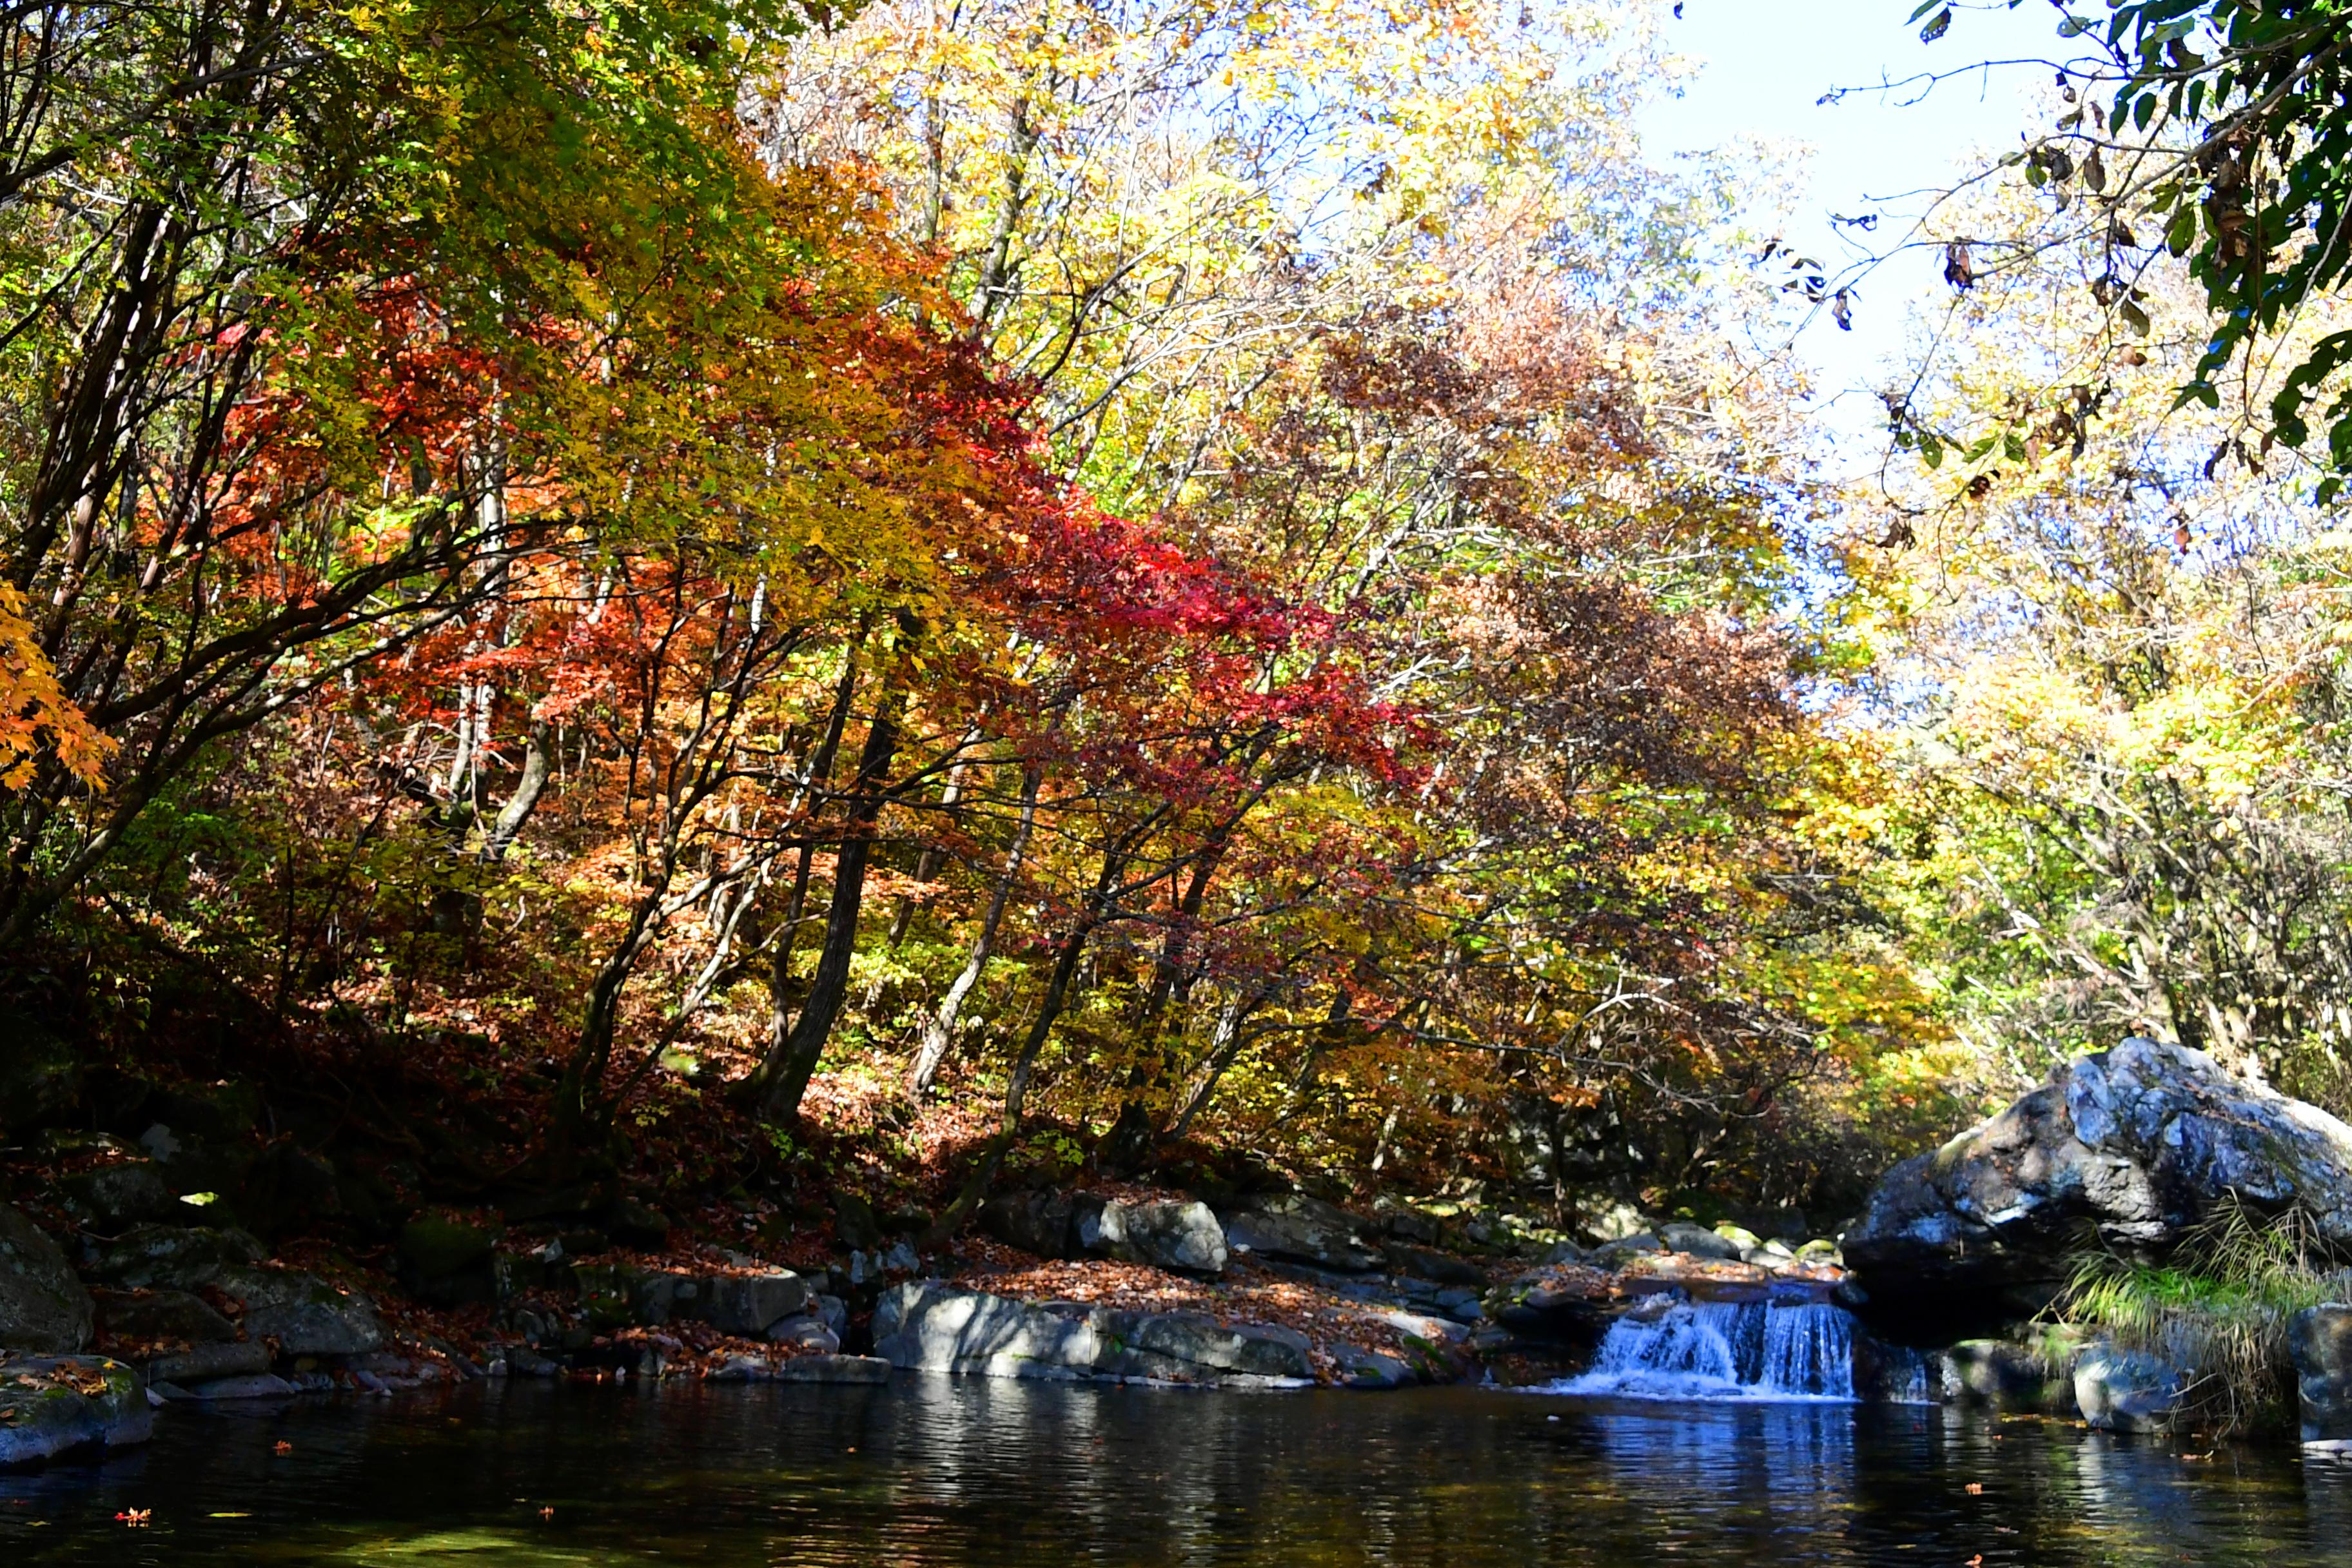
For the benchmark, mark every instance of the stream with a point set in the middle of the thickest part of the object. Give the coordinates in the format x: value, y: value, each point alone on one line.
x: 982, y: 1473
x: 979, y: 1472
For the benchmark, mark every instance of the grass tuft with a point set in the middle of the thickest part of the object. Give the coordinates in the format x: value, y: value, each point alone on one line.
x: 2217, y: 1309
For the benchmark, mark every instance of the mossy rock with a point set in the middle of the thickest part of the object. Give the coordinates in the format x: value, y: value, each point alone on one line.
x: 436, y: 1246
x: 57, y: 1406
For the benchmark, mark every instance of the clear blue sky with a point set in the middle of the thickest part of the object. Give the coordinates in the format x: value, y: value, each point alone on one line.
x: 1762, y: 65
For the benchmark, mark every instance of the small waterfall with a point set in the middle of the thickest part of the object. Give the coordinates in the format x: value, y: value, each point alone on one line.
x: 1725, y: 1350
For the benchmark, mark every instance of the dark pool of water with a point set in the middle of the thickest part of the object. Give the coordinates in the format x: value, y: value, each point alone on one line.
x: 973, y: 1472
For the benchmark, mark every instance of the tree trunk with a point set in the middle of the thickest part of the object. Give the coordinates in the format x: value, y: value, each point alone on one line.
x: 792, y: 1059
x: 1016, y: 1087
x: 939, y: 1030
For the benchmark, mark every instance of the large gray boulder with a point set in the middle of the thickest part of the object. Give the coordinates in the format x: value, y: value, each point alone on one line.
x: 1182, y: 1237
x: 2124, y: 1149
x: 1300, y: 1229
x: 748, y: 1304
x: 304, y: 1314
x: 301, y: 1313
x: 926, y: 1326
x: 42, y: 1306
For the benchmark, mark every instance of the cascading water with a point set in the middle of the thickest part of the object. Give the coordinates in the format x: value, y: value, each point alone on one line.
x: 1725, y: 1350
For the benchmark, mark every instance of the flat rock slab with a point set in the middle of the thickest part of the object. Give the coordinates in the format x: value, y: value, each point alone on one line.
x: 59, y: 1406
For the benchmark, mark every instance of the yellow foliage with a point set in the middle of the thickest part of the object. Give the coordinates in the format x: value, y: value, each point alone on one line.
x: 36, y: 718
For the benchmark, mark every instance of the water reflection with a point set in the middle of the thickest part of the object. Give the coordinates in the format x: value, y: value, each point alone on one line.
x: 977, y: 1473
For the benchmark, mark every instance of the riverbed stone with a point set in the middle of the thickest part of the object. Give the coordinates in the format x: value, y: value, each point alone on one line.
x: 731, y: 1303
x: 180, y: 1257
x: 1444, y: 1268
x: 1564, y: 1305
x: 1182, y: 1237
x: 833, y: 1369
x: 247, y: 1385
x: 1179, y: 1235
x: 750, y: 1303
x: 1625, y: 1248
x: 56, y: 1407
x: 1699, y: 1241
x: 43, y: 1307
x: 2127, y: 1149
x: 1303, y: 1229
x: 2320, y: 1339
x: 200, y: 1362
x: 167, y: 1315
x: 304, y: 1314
x: 2026, y: 1377
x: 2123, y: 1390
x: 805, y: 1334
x: 123, y: 1194
x: 1041, y: 1221
x: 1184, y: 1344
x: 1361, y: 1368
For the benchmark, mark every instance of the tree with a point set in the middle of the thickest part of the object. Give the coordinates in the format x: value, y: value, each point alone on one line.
x: 2226, y: 128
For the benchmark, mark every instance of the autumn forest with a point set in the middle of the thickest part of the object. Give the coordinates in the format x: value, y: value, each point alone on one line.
x: 736, y: 600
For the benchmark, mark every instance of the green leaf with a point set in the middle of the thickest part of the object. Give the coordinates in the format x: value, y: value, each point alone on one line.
x: 2182, y: 231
